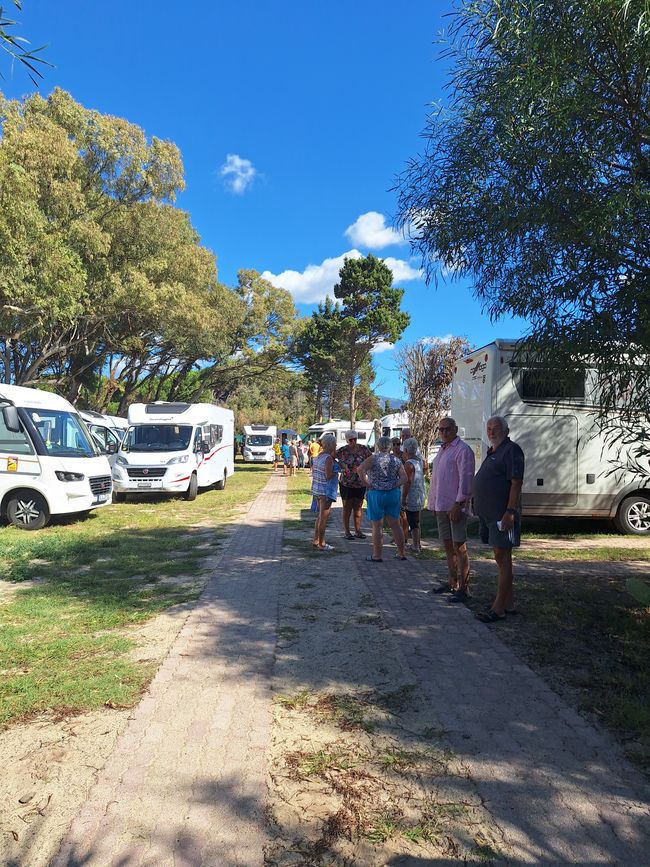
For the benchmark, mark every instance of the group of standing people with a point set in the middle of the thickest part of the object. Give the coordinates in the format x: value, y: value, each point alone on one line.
x: 392, y: 481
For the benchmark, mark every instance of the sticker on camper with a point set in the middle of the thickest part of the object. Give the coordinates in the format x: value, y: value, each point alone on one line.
x: 12, y: 465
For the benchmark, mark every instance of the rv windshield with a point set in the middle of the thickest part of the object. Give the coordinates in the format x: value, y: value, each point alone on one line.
x: 62, y: 433
x: 158, y: 438
x: 259, y: 440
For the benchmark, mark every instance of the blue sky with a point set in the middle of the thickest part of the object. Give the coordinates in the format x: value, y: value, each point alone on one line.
x: 293, y: 119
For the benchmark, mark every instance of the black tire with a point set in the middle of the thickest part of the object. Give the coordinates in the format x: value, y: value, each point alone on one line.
x: 221, y: 486
x: 27, y: 510
x: 192, y: 489
x: 119, y: 497
x: 633, y: 515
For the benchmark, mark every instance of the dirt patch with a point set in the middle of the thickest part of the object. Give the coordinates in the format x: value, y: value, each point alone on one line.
x: 360, y: 769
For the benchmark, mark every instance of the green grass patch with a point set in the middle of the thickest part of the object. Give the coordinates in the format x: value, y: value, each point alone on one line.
x: 62, y: 645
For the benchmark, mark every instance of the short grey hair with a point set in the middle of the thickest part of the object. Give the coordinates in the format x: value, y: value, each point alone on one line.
x: 410, y: 446
x: 327, y: 441
x: 503, y: 424
x: 384, y: 444
x: 351, y: 435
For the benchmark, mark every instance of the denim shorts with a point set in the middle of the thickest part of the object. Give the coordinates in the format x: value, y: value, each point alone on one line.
x: 381, y: 504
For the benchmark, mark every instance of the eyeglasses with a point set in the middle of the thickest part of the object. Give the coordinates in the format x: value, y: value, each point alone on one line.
x: 444, y: 429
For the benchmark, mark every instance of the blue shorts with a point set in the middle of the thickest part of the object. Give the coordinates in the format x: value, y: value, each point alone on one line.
x: 380, y: 504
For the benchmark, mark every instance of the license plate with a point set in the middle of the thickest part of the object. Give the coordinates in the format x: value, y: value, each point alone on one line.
x: 101, y: 498
x: 151, y: 483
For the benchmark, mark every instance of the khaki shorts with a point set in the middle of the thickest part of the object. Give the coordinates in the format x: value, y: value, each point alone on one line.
x: 454, y: 530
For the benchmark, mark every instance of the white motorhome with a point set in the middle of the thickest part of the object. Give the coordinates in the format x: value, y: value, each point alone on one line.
x: 571, y: 468
x: 49, y: 464
x: 393, y: 424
x: 258, y: 442
x: 365, y: 431
x: 104, y: 431
x: 174, y: 448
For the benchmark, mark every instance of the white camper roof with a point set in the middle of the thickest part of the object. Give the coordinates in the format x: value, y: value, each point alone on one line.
x: 36, y: 397
x: 163, y: 412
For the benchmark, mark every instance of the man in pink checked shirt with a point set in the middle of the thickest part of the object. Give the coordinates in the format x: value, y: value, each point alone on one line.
x: 452, y: 477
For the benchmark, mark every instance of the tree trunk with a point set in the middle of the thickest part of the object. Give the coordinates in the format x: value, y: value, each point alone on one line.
x: 353, y: 403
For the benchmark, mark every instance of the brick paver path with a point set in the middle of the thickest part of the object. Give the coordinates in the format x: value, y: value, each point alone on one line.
x: 560, y: 791
x: 186, y: 784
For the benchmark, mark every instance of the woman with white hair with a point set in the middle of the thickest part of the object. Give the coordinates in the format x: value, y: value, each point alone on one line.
x: 383, y: 473
x: 324, y: 486
x: 413, y: 492
x: 351, y: 488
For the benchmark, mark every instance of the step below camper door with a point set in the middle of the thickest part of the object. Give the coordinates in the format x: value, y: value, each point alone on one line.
x: 550, y: 444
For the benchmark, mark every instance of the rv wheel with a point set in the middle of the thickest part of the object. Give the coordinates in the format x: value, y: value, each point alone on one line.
x: 28, y: 510
x: 193, y: 489
x: 634, y: 515
x: 222, y: 484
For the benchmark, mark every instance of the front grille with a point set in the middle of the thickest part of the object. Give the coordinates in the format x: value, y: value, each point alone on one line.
x: 146, y: 472
x: 100, y: 485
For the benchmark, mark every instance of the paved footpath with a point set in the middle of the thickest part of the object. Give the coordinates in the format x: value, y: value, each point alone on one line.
x: 560, y: 791
x: 186, y: 784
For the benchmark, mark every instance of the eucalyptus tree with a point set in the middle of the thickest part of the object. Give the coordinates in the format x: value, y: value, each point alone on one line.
x: 534, y: 180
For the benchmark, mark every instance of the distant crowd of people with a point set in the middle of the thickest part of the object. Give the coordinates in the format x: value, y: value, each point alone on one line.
x: 392, y: 482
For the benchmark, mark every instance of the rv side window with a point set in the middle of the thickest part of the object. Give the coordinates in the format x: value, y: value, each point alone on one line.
x: 217, y: 433
x: 13, y: 443
x: 207, y: 435
x: 537, y: 384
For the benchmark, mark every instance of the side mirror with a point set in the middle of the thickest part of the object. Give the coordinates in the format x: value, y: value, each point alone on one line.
x: 11, y: 420
x: 205, y: 447
x: 111, y: 448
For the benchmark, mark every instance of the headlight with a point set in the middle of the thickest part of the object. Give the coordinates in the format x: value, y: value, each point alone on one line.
x: 63, y: 476
x: 181, y: 459
x: 121, y: 461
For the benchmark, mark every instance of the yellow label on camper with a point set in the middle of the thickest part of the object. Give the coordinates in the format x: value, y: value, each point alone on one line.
x: 12, y: 465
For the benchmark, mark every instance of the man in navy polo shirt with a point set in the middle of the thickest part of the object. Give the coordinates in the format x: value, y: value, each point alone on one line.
x: 497, y: 502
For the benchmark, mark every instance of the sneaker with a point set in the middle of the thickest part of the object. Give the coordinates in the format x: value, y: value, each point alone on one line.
x: 441, y: 588
x: 459, y: 596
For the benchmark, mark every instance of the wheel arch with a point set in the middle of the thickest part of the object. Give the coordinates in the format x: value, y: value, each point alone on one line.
x: 27, y: 489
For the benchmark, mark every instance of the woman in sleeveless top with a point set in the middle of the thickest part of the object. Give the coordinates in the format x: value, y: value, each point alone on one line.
x: 383, y: 474
x: 324, y: 487
x: 413, y: 492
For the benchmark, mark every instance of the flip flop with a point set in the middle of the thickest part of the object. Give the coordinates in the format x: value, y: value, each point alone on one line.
x: 370, y: 559
x: 359, y: 535
x: 326, y: 548
x: 349, y: 536
x: 397, y: 557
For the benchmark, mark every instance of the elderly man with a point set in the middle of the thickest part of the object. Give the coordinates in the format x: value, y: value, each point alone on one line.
x: 452, y: 475
x: 497, y: 496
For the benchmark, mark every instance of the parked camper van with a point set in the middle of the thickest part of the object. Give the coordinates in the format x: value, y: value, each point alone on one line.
x: 104, y: 431
x: 174, y: 448
x: 393, y: 424
x: 571, y: 469
x: 364, y: 429
x: 49, y: 464
x: 258, y: 442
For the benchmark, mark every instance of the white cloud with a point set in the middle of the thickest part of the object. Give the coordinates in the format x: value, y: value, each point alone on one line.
x: 402, y: 270
x: 317, y: 281
x: 370, y: 231
x: 238, y: 174
x: 382, y: 346
x: 428, y: 341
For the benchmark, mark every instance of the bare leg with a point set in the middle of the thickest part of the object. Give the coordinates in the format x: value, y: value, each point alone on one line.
x: 404, y: 525
x: 356, y: 510
x: 324, y: 508
x: 398, y: 535
x: 377, y: 539
x: 504, y: 597
x: 452, y: 563
x: 347, y: 510
x: 462, y: 561
x: 417, y: 540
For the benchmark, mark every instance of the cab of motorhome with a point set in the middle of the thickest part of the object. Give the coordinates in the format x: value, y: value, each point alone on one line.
x: 572, y: 468
x: 258, y: 442
x: 174, y: 448
x: 104, y: 432
x: 49, y: 464
x: 365, y: 431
